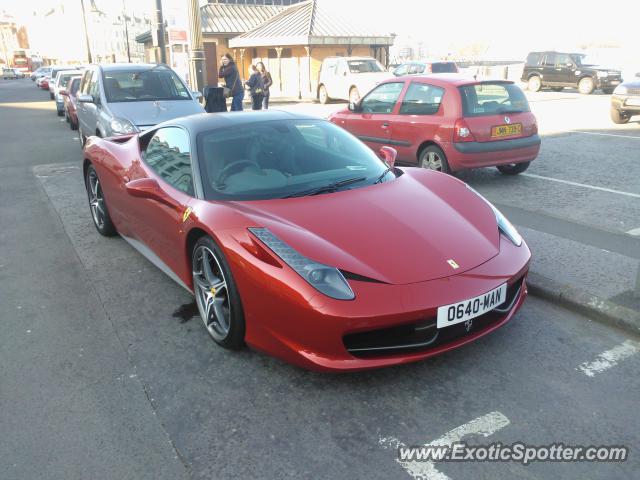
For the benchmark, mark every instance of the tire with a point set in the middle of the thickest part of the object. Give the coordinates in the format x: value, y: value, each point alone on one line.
x: 60, y: 113
x: 514, y: 168
x: 323, y: 96
x: 557, y: 89
x: 586, y: 86
x: 217, y: 295
x: 51, y: 96
x: 607, y: 91
x: 73, y: 125
x: 534, y: 84
x: 618, y: 117
x: 83, y: 140
x: 354, y: 95
x: 433, y: 158
x: 97, y: 204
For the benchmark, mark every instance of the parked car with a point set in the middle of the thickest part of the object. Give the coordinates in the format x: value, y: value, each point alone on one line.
x: 43, y: 82
x: 11, y: 73
x: 447, y: 122
x: 625, y: 101
x: 62, y: 79
x: 69, y: 95
x: 39, y: 72
x: 420, y: 68
x: 233, y: 207
x: 346, y: 78
x: 53, y: 77
x: 558, y: 70
x: 118, y: 99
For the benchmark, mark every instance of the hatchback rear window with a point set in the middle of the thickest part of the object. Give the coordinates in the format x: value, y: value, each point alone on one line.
x: 492, y: 98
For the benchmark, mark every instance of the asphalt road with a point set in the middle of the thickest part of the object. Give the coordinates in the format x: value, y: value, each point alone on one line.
x: 101, y: 378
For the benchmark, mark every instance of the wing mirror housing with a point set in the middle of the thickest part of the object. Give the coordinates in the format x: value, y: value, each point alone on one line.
x: 84, y: 98
x: 196, y: 95
x: 150, y: 189
x: 388, y: 154
x: 355, y: 107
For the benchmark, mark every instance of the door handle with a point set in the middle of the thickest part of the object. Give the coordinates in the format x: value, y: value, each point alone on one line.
x: 384, y: 125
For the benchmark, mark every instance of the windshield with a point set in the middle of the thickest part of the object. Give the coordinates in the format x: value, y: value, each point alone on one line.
x: 492, y: 98
x: 281, y: 158
x: 365, y: 66
x: 63, y: 78
x: 75, y: 84
x: 144, y: 85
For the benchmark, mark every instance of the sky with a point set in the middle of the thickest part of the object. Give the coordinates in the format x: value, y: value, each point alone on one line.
x: 502, y: 28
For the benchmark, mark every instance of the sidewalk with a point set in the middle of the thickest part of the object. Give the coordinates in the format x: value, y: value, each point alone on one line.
x: 599, y: 283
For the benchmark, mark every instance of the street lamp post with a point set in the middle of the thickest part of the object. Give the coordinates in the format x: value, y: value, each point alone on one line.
x: 196, y: 53
x: 160, y: 30
x: 126, y: 30
x: 86, y: 32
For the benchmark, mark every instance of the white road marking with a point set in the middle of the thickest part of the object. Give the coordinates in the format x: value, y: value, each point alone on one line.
x: 604, y: 134
x: 584, y: 185
x: 610, y: 358
x: 485, y: 425
x: 634, y: 231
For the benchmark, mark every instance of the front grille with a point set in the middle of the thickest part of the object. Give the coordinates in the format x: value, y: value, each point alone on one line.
x: 633, y: 91
x: 423, y: 334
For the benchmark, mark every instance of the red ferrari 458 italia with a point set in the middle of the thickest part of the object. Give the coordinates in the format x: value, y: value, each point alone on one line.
x: 296, y: 239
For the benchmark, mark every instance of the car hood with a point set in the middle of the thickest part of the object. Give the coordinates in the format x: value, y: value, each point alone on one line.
x: 399, y: 232
x: 145, y: 114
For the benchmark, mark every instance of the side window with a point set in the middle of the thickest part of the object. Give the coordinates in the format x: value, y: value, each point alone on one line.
x: 562, y: 59
x: 421, y: 99
x: 383, y: 98
x: 86, y: 79
x: 416, y: 68
x: 550, y: 60
x: 342, y: 68
x: 329, y: 67
x: 93, y: 86
x: 168, y: 154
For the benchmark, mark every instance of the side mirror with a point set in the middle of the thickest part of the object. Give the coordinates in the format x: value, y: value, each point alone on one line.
x: 84, y: 98
x: 388, y: 154
x: 196, y: 95
x: 64, y: 93
x: 148, y: 188
x: 355, y: 107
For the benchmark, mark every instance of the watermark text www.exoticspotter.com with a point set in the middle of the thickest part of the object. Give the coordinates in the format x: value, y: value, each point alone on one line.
x: 515, y: 452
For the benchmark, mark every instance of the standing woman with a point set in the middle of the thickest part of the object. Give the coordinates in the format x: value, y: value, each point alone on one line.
x: 267, y: 80
x: 256, y: 88
x: 231, y: 75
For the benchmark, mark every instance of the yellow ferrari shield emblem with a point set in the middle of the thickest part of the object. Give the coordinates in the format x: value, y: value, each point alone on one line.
x: 186, y: 214
x: 453, y: 264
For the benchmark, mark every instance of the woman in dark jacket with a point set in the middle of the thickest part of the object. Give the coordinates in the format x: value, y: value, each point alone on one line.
x: 229, y: 72
x: 267, y: 80
x: 256, y: 88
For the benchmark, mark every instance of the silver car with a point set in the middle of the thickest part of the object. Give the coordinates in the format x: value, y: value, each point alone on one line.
x: 118, y: 99
x: 62, y: 79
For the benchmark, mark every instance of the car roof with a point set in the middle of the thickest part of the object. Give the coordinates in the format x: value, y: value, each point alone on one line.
x: 202, y: 122
x: 135, y: 67
x: 443, y: 79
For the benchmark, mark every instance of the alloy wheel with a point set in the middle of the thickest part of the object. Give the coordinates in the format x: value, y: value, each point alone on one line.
x: 96, y: 199
x: 432, y: 161
x: 212, y: 293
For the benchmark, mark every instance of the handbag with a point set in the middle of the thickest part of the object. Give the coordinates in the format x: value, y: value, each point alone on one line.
x: 226, y: 91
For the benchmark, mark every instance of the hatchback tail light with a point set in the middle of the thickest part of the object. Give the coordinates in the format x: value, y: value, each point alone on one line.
x: 535, y: 127
x: 428, y: 68
x: 461, y: 132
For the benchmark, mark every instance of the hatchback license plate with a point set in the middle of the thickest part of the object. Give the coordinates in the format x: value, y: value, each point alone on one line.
x: 473, y: 307
x: 506, y: 130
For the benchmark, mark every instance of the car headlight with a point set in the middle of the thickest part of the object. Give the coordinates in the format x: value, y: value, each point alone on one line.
x: 327, y: 280
x: 504, y: 225
x: 620, y: 90
x: 122, y: 126
x: 603, y: 74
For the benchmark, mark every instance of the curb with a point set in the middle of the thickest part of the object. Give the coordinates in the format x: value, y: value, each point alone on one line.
x: 583, y: 302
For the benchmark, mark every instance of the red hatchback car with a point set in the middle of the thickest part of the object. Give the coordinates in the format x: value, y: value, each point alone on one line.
x: 447, y: 122
x: 69, y: 95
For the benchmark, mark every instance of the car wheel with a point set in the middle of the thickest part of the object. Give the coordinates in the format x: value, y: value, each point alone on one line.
x: 323, y: 96
x: 97, y: 204
x: 433, y: 158
x: 557, y: 89
x: 586, y: 86
x: 73, y: 125
x: 513, y: 168
x: 607, y: 91
x: 618, y: 117
x: 354, y: 95
x: 217, y: 295
x: 534, y: 84
x: 51, y: 97
x: 83, y: 140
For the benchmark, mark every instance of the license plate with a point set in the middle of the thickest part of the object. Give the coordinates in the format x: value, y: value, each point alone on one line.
x: 471, y: 308
x: 633, y: 102
x: 506, y: 130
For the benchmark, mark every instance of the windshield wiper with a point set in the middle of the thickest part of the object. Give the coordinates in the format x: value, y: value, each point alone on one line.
x: 332, y: 187
x: 384, y: 174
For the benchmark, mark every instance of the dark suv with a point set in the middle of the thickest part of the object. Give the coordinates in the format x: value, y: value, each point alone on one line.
x: 558, y: 70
